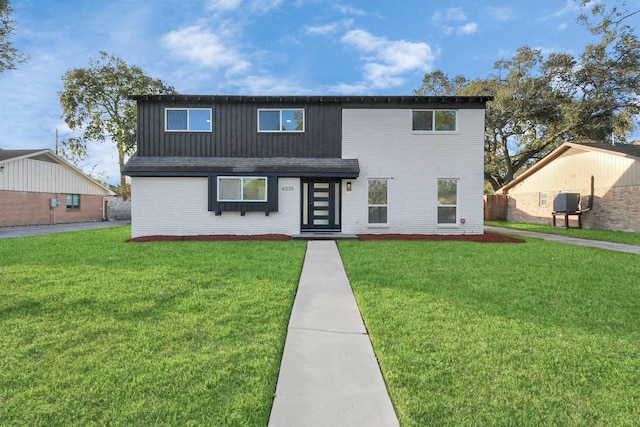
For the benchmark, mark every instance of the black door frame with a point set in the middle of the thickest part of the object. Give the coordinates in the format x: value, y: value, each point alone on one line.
x: 313, y: 220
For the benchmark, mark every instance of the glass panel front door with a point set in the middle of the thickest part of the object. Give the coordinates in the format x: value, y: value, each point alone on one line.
x: 321, y: 205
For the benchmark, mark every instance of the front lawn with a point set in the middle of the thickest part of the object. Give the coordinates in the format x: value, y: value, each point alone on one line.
x: 95, y: 331
x: 502, y: 334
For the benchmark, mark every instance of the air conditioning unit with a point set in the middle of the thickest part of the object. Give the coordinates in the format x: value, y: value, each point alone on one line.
x: 567, y: 202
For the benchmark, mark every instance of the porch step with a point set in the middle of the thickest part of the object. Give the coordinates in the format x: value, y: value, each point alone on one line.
x: 324, y: 236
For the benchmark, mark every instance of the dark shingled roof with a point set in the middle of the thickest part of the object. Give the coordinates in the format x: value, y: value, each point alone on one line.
x: 12, y: 154
x: 280, y: 166
x: 628, y: 149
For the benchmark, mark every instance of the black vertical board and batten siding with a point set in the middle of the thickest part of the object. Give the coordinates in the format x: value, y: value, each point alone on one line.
x: 235, y: 132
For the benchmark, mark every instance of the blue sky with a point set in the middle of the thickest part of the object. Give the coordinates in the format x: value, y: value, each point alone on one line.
x: 264, y: 47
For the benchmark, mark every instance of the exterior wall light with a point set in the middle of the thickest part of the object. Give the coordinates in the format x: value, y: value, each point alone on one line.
x: 349, y: 187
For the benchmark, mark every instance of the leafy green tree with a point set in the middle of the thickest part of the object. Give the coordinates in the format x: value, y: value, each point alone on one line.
x: 606, y: 18
x: 9, y: 55
x: 95, y: 101
x: 541, y: 102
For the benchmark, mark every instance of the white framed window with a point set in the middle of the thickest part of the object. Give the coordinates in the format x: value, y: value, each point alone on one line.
x: 447, y: 201
x: 434, y: 120
x: 242, y: 189
x: 188, y: 120
x: 543, y: 199
x: 281, y: 120
x: 378, y: 201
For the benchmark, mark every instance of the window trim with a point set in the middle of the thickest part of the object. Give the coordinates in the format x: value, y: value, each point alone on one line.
x: 73, y: 207
x: 438, y: 205
x: 280, y: 110
x: 543, y: 196
x: 216, y: 207
x: 378, y: 224
x: 433, y: 121
x: 187, y: 109
x: 242, y: 200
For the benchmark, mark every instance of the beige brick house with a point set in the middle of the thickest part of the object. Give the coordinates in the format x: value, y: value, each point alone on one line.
x: 611, y: 172
x: 38, y: 187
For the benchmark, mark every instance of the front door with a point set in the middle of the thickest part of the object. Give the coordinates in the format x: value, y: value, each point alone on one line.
x: 320, y: 205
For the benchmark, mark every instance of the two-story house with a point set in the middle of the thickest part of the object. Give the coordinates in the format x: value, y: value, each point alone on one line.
x: 250, y: 165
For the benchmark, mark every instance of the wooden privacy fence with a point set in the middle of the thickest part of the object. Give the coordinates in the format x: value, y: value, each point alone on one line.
x: 495, y: 207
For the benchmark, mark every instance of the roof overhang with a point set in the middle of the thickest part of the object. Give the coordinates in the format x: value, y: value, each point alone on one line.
x: 622, y: 150
x: 7, y: 156
x: 345, y: 101
x: 205, y: 166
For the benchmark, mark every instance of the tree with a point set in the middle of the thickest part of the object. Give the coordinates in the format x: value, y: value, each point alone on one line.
x: 608, y: 19
x: 9, y: 55
x: 95, y: 100
x: 541, y: 102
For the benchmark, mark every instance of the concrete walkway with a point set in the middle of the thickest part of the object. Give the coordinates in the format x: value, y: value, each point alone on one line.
x: 620, y: 247
x: 329, y: 375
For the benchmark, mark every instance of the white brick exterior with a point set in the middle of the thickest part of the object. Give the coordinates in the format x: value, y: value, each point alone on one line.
x: 178, y: 207
x: 386, y: 147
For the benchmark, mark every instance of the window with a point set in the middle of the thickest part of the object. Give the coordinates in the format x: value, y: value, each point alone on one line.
x: 434, y: 120
x: 242, y: 189
x: 543, y: 199
x: 378, y: 201
x: 73, y: 201
x: 188, y: 119
x: 281, y: 120
x: 447, y: 201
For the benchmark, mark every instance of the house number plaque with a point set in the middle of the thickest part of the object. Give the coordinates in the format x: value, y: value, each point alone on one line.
x: 288, y: 188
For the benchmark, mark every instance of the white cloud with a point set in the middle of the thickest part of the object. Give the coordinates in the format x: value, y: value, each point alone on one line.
x: 264, y: 6
x: 323, y: 29
x: 449, y: 21
x: 203, y: 47
x: 350, y: 89
x: 468, y: 28
x: 500, y: 13
x: 570, y: 6
x: 455, y: 14
x: 350, y: 10
x: 267, y: 85
x: 387, y: 60
x: 254, y: 6
x: 329, y: 28
x: 223, y: 4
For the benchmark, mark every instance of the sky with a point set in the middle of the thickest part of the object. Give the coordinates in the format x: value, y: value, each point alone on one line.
x: 264, y: 47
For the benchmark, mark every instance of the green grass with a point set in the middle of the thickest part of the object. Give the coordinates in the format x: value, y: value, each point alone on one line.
x: 583, y: 233
x: 534, y: 334
x: 95, y: 331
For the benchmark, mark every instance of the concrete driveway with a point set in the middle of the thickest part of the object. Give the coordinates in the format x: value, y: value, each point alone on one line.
x: 620, y: 247
x: 35, y: 230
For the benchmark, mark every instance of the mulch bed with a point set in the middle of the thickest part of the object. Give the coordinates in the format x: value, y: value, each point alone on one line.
x: 480, y: 238
x: 208, y: 237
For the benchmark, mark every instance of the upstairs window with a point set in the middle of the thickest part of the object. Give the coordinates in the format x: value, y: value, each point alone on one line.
x: 242, y: 189
x: 281, y: 120
x: 188, y: 119
x: 434, y: 120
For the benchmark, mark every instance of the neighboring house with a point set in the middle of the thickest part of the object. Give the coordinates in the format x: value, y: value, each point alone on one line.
x: 250, y: 165
x: 38, y: 187
x: 612, y: 172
